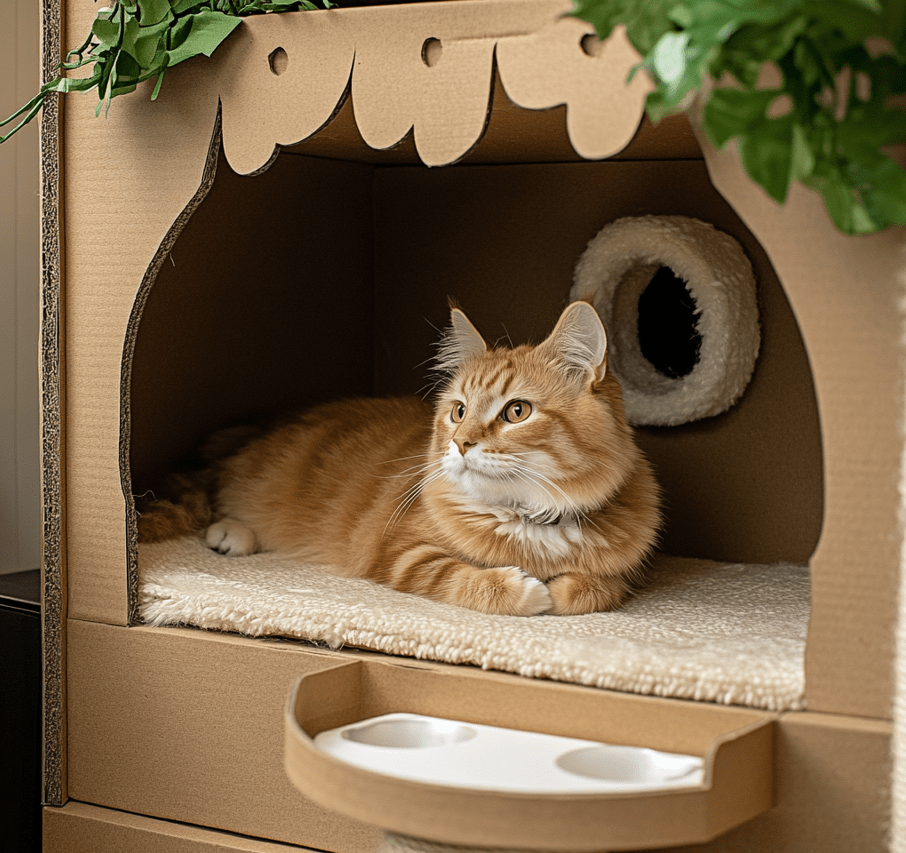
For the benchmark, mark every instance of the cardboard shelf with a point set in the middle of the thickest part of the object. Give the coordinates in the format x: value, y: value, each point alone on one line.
x: 734, y: 744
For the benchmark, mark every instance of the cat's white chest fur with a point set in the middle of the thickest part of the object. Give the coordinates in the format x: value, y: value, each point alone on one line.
x: 551, y: 539
x: 554, y: 538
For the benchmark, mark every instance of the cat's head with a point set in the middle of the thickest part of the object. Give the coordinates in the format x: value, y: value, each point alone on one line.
x: 537, y: 427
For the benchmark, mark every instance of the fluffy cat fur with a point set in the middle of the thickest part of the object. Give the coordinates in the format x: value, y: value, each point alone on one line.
x: 519, y: 491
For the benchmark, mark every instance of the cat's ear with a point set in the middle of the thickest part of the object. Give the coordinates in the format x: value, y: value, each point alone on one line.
x: 460, y: 342
x: 579, y: 342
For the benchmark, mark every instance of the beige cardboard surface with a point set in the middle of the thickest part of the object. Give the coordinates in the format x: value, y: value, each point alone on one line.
x: 80, y: 828
x: 737, y: 745
x: 512, y: 135
x: 440, y: 95
x: 188, y: 726
x: 544, y: 70
x: 124, y: 186
x: 158, y: 718
x: 846, y: 294
x: 832, y: 794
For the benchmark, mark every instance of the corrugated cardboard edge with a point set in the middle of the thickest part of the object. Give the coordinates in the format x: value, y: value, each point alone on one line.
x: 53, y: 603
x: 141, y: 297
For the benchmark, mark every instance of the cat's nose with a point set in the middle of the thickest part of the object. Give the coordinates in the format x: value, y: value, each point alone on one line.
x: 463, y: 445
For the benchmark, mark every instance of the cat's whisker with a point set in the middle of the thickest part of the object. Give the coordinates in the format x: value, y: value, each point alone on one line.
x: 405, y: 458
x: 409, y: 472
x: 403, y: 508
x: 540, y: 479
x: 412, y: 469
x: 426, y: 390
x: 409, y: 497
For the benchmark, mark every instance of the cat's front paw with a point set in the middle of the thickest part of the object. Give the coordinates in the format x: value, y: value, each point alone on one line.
x: 508, y: 591
x: 231, y: 538
x: 572, y: 595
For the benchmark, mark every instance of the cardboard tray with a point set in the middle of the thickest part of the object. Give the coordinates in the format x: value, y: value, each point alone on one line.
x: 736, y: 746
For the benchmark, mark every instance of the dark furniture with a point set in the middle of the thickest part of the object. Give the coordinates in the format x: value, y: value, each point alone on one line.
x: 20, y: 712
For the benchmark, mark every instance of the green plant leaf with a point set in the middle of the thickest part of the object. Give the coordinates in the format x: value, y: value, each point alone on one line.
x: 205, y: 33
x: 108, y: 32
x: 602, y: 16
x: 154, y: 11
x: 668, y: 59
x: 847, y: 214
x: 802, y: 158
x: 730, y: 112
x: 766, y: 151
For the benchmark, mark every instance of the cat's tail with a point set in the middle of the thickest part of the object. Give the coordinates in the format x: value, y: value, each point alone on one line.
x: 189, y: 513
x: 189, y: 510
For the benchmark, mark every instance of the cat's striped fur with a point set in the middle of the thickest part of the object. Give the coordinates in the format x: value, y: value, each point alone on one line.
x: 520, y: 491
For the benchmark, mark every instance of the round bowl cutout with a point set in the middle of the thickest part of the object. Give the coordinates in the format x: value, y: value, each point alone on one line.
x: 410, y: 734
x: 630, y: 765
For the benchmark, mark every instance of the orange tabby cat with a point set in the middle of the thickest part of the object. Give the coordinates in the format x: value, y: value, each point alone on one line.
x: 520, y: 491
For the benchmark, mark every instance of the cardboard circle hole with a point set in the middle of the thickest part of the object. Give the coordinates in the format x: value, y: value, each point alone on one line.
x: 431, y: 52
x: 278, y: 60
x: 591, y: 45
x: 668, y: 325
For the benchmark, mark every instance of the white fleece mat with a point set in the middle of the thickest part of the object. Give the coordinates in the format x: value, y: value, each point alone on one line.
x: 727, y: 633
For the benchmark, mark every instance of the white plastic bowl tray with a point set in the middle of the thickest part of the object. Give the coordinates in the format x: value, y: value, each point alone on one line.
x: 466, y: 755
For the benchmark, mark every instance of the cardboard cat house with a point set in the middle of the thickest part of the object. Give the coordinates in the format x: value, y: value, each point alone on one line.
x: 283, y: 226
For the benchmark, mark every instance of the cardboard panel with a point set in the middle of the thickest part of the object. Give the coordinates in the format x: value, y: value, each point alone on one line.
x: 124, y: 185
x: 564, y: 63
x: 503, y: 241
x: 424, y: 68
x: 846, y: 295
x: 81, y: 828
x: 188, y: 726
x: 158, y: 717
x: 832, y: 795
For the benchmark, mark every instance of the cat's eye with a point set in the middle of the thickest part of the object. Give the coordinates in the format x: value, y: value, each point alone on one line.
x: 458, y: 413
x: 516, y: 411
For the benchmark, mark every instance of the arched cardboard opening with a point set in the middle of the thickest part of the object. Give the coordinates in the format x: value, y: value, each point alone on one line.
x: 321, y: 279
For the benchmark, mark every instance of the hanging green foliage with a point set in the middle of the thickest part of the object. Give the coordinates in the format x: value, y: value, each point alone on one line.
x: 841, y: 100
x: 131, y: 42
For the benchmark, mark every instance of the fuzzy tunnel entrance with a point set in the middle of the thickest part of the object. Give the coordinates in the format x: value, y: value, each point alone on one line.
x: 668, y: 325
x: 325, y: 278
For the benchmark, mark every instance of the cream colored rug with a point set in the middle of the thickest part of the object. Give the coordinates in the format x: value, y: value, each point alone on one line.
x: 718, y: 632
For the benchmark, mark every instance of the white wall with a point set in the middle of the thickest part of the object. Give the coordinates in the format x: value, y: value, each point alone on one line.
x: 20, y: 503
